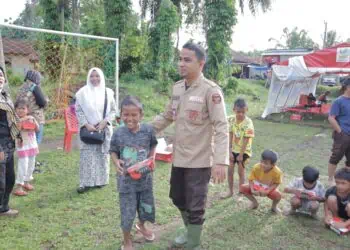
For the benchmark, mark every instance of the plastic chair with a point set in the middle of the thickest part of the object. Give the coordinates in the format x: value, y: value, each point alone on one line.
x: 303, y: 100
x: 71, y: 127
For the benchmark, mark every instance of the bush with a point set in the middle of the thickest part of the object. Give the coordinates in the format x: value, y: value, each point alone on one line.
x: 14, y: 79
x: 335, y: 91
x: 231, y: 85
x: 129, y: 77
x: 146, y: 71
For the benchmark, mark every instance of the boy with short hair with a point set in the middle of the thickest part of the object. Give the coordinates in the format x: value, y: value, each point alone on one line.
x: 338, y: 200
x: 308, y: 192
x: 264, y: 179
x: 241, y: 137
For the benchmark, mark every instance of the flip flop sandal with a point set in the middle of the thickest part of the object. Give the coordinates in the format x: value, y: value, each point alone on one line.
x: 20, y: 193
x: 147, y: 238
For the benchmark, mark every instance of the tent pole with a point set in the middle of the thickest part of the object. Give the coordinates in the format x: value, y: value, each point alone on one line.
x: 288, y: 95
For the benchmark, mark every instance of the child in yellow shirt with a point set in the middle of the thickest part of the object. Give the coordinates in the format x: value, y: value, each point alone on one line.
x: 241, y: 137
x: 264, y: 179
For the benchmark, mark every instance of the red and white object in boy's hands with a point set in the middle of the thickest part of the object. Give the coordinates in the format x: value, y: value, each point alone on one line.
x: 257, y: 186
x: 304, y: 194
x: 28, y: 125
x: 141, y: 168
x: 164, y: 152
x: 339, y: 231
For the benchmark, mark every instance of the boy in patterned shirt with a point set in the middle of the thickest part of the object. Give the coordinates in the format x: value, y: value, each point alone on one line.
x: 308, y: 192
x: 241, y: 137
x: 132, y: 143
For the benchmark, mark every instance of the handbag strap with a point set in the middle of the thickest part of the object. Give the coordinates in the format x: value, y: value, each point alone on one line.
x: 105, y: 105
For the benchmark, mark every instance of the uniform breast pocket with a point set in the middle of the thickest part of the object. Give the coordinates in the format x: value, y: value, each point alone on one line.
x: 194, y: 115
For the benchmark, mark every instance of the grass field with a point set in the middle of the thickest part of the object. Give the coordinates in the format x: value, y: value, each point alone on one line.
x: 54, y: 216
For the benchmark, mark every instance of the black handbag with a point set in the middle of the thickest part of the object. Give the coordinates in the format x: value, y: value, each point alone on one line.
x: 94, y: 137
x: 40, y: 98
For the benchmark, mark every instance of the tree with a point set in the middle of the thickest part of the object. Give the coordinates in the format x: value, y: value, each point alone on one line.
x: 294, y: 39
x: 92, y: 22
x: 254, y: 5
x: 117, y: 13
x: 331, y: 38
x: 219, y: 18
x: 166, y: 24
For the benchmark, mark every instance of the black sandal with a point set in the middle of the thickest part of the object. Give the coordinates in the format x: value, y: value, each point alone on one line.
x: 81, y: 190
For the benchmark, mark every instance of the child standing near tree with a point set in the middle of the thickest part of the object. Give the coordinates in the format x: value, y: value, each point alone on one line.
x: 27, y: 150
x: 133, y: 143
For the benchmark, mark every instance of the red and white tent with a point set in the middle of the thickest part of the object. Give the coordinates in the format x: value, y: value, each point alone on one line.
x: 299, y: 75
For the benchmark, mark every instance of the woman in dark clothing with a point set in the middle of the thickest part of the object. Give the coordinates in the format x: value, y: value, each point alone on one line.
x: 9, y: 132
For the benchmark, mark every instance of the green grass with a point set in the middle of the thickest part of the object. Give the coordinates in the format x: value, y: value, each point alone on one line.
x: 54, y: 130
x: 54, y: 216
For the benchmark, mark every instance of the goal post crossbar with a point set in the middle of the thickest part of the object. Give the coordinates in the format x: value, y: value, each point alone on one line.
x: 62, y: 33
x: 55, y: 32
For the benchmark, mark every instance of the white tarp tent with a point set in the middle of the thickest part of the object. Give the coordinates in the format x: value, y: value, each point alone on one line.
x: 299, y: 75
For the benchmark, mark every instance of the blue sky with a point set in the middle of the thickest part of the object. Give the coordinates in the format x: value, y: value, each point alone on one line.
x: 253, y: 32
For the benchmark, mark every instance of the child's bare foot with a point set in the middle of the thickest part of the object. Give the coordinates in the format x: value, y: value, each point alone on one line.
x: 254, y: 205
x: 147, y: 234
x: 275, y: 210
x: 227, y: 195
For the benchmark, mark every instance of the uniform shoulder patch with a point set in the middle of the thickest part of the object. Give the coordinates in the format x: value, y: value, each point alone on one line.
x: 216, y: 98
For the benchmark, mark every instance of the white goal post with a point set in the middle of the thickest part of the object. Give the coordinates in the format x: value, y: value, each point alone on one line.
x: 69, y: 34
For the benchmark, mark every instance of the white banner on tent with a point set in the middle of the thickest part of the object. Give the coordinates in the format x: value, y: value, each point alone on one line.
x: 283, y: 94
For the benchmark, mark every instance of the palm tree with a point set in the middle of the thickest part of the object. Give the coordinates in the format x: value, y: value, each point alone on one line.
x: 254, y: 5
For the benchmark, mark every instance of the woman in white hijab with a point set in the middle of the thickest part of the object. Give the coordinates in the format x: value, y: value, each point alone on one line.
x: 94, y: 159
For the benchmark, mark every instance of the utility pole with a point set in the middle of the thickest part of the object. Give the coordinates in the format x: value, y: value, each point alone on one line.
x: 325, y: 34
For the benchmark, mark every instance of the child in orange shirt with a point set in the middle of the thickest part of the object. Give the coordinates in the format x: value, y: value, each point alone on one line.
x: 264, y: 179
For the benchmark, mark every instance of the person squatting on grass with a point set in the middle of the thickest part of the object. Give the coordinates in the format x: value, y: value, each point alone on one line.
x: 339, y: 118
x: 27, y: 150
x: 241, y: 130
x: 308, y: 192
x: 338, y: 200
x: 201, y: 142
x: 264, y: 179
x: 134, y: 142
x: 9, y: 133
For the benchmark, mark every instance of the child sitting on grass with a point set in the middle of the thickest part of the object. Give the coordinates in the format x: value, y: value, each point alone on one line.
x: 241, y: 138
x: 132, y: 143
x: 264, y: 179
x: 308, y: 192
x: 338, y: 200
x: 26, y: 150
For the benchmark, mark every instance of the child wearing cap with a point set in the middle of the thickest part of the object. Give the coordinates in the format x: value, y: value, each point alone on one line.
x: 339, y: 118
x: 308, y: 192
x: 264, y: 179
